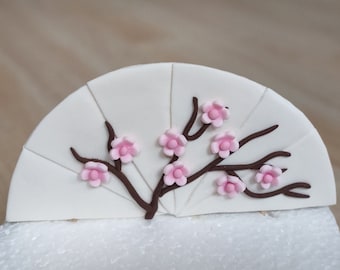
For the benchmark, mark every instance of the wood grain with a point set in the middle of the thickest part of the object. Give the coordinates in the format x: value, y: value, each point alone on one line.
x: 50, y: 48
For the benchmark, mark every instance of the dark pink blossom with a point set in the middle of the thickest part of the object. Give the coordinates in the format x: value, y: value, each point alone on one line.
x: 124, y: 149
x: 268, y: 176
x: 95, y: 173
x: 224, y: 143
x: 175, y: 173
x: 214, y: 113
x: 230, y: 185
x: 173, y: 143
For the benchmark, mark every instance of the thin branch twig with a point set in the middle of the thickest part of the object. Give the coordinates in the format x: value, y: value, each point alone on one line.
x: 191, y: 122
x: 111, y: 137
x: 252, y: 166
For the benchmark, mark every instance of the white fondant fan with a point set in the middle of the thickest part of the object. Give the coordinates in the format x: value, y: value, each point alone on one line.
x: 245, y: 148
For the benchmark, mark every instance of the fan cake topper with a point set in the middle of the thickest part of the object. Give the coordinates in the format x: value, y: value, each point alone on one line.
x: 172, y: 139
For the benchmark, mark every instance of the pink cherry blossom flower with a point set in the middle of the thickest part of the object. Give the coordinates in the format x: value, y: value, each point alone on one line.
x: 214, y: 113
x: 230, y: 185
x: 224, y: 143
x: 268, y: 176
x: 175, y: 172
x: 173, y: 143
x: 95, y: 173
x: 124, y: 149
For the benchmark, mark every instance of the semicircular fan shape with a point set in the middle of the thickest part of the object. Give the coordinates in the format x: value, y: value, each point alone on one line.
x: 174, y: 139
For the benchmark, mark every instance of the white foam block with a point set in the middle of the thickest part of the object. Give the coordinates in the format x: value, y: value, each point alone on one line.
x: 294, y: 239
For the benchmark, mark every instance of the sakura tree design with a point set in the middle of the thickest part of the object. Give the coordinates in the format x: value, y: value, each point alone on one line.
x: 122, y: 150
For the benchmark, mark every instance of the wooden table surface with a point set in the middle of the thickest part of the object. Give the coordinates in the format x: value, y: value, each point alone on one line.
x: 50, y: 48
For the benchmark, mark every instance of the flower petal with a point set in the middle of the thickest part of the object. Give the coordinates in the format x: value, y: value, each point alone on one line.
x: 168, y: 152
x: 277, y: 171
x: 217, y: 122
x: 233, y: 179
x: 182, y: 140
x: 128, y: 140
x: 230, y: 134
x: 102, y: 167
x: 94, y: 183
x: 221, y: 180
x: 181, y: 181
x: 84, y: 175
x: 101, y: 176
x: 91, y: 165
x: 179, y: 151
x: 106, y: 177
x: 275, y: 181
x: 214, y: 147
x: 133, y: 150
x: 185, y: 171
x: 224, y: 154
x: 234, y: 146
x: 225, y: 113
x: 136, y: 149
x: 126, y: 158
x: 205, y: 118
x: 219, y: 136
x: 163, y: 139
x: 177, y: 163
x: 265, y: 185
x: 258, y: 177
x: 240, y: 187
x: 114, y: 153
x: 221, y: 191
x: 265, y: 168
x: 116, y: 142
x: 206, y: 106
x: 168, y: 168
x: 231, y: 194
x: 169, y: 180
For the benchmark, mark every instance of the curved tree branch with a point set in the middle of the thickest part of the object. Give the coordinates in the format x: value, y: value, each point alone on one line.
x: 121, y: 176
x: 193, y: 117
x: 111, y: 137
x: 198, y: 133
x: 191, y: 122
x: 156, y: 194
x: 257, y: 134
x: 254, y: 165
x: 286, y: 190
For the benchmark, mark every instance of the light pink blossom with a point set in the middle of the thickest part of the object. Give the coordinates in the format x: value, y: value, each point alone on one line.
x: 224, y: 143
x: 124, y: 149
x: 95, y: 173
x: 214, y: 113
x: 230, y: 185
x: 268, y: 176
x: 173, y: 143
x: 175, y: 172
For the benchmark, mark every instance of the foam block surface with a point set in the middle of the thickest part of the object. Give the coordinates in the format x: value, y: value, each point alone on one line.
x: 294, y: 239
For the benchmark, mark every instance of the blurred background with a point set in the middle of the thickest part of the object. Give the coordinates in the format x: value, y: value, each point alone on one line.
x: 48, y: 49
